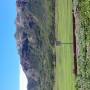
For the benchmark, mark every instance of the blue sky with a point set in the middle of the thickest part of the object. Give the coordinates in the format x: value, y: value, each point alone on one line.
x: 9, y: 59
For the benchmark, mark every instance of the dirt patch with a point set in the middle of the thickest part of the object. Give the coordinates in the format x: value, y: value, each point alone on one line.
x: 76, y: 28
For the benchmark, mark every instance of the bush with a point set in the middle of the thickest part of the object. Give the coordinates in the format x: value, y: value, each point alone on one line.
x: 83, y: 77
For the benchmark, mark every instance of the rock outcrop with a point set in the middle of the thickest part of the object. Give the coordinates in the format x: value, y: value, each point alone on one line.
x: 35, y: 36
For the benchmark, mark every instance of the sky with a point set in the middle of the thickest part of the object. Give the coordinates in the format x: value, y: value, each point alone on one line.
x: 9, y: 58
x: 23, y: 80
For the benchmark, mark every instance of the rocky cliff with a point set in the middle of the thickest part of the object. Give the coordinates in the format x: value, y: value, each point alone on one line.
x: 35, y: 36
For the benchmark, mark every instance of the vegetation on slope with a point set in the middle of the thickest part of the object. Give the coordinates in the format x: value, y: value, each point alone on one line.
x: 83, y: 77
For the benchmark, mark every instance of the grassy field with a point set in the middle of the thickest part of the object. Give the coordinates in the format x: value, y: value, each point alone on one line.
x: 64, y: 52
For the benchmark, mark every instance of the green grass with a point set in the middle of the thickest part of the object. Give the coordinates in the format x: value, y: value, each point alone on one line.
x: 64, y: 52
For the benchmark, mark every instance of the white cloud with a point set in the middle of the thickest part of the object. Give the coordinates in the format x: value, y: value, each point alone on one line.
x: 23, y: 80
